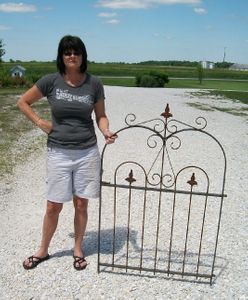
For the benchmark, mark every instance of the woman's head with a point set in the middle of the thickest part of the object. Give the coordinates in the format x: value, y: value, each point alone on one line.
x: 71, y: 44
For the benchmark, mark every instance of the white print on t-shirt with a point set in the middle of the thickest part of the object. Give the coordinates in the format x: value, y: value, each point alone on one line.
x: 65, y: 95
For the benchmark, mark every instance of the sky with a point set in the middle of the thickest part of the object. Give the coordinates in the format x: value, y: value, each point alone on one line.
x: 128, y: 30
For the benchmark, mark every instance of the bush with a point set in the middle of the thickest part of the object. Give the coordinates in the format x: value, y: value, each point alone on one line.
x: 152, y: 79
x: 18, y: 81
x: 32, y: 78
x: 5, y: 79
x: 8, y: 81
x: 148, y: 81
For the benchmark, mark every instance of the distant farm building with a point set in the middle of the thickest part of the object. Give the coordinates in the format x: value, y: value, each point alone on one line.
x: 207, y: 64
x: 239, y: 67
x: 18, y: 71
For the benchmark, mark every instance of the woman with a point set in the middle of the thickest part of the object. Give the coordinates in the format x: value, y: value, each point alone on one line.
x: 73, y: 160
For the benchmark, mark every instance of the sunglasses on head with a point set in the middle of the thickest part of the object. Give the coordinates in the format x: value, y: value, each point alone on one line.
x: 70, y: 53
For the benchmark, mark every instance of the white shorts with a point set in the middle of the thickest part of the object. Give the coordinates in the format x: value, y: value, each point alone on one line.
x: 72, y: 172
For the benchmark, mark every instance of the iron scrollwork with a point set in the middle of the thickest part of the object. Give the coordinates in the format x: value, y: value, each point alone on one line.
x: 164, y: 130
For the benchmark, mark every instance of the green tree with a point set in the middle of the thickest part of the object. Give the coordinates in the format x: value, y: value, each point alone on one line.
x: 2, y: 51
x: 151, y: 79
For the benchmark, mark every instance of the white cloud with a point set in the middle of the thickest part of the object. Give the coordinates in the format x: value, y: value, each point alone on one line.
x: 141, y: 4
x: 11, y: 7
x: 120, y: 4
x: 3, y: 28
x: 200, y: 11
x: 177, y: 1
x: 113, y: 21
x: 107, y: 15
x: 110, y: 18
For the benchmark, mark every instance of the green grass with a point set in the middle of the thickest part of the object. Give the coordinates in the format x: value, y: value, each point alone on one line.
x: 241, y: 112
x: 220, y: 96
x: 223, y: 85
x: 208, y: 84
x: 13, y: 124
x: 200, y: 106
x: 234, y: 95
x: 11, y: 91
x: 129, y: 82
x: 115, y: 69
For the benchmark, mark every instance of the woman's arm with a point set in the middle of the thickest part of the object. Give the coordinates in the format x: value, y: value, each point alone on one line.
x: 103, y: 122
x: 25, y: 102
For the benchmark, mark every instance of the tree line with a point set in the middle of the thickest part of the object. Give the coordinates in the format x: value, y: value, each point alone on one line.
x: 182, y: 63
x: 172, y: 63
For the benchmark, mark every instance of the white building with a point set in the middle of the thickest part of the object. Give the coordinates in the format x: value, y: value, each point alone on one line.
x: 207, y: 64
x: 239, y: 67
x: 17, y: 71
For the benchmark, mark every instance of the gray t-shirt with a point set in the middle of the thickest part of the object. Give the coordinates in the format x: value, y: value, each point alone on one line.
x: 71, y: 109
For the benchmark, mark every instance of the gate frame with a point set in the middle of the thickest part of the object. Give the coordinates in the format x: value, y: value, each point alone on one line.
x: 201, y: 123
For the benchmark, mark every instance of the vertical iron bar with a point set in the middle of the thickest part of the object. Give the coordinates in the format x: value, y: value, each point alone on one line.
x: 99, y: 231
x: 157, y: 234
x: 143, y: 226
x: 172, y: 228
x: 128, y: 223
x: 100, y: 219
x: 114, y: 227
x: 217, y: 237
x: 187, y: 231
x: 201, y: 238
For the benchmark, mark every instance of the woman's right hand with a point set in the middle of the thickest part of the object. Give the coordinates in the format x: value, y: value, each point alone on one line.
x: 45, y: 125
x: 109, y: 136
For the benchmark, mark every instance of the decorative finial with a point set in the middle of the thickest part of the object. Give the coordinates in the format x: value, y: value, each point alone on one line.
x: 166, y: 114
x: 192, y: 181
x: 130, y: 177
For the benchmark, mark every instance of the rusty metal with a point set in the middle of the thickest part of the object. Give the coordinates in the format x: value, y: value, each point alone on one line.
x: 162, y: 182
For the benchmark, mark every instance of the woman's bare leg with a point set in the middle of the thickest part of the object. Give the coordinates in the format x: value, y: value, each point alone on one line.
x: 80, y: 223
x: 50, y: 222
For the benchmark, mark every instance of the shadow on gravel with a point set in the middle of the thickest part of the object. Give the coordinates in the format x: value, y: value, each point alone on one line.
x: 120, y: 243
x: 62, y: 253
x: 91, y: 240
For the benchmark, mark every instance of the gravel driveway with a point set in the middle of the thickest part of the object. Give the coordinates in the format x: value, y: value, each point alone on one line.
x: 23, y: 201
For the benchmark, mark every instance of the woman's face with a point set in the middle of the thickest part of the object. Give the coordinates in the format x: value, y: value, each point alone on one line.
x: 72, y: 59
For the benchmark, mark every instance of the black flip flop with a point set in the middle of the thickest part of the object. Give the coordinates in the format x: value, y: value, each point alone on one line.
x: 33, y: 261
x: 77, y: 263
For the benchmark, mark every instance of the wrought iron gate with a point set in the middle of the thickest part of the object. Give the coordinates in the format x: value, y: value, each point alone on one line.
x: 161, y: 199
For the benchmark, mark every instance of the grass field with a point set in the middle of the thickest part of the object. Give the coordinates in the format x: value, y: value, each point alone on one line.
x: 124, y: 69
x: 209, y: 84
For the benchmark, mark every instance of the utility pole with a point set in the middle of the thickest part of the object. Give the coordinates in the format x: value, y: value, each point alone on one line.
x: 224, y: 56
